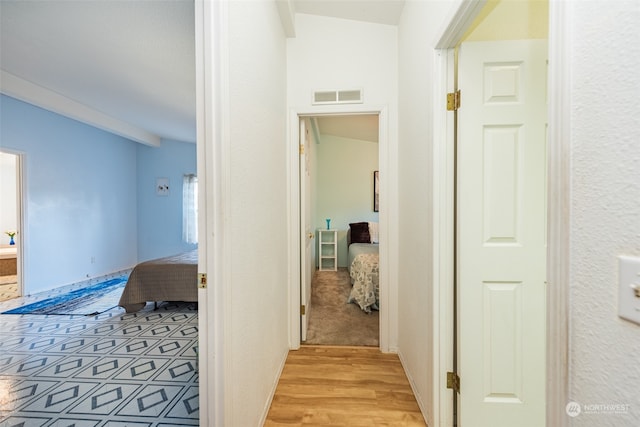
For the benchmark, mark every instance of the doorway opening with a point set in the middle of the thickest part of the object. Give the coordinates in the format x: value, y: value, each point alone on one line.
x: 355, y: 174
x: 11, y: 245
x: 339, y: 199
x: 502, y: 292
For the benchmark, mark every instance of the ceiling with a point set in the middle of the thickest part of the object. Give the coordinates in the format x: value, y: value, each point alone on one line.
x: 375, y: 11
x: 129, y: 61
x: 363, y: 127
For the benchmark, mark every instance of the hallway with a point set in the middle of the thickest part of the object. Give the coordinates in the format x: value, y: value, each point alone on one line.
x: 340, y: 386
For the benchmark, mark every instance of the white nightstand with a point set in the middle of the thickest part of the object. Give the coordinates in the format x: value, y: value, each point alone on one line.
x: 328, y: 250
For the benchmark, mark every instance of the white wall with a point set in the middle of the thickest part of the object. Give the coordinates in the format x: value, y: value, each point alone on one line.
x: 344, y: 186
x: 419, y: 25
x: 605, y: 205
x: 329, y: 53
x: 257, y: 341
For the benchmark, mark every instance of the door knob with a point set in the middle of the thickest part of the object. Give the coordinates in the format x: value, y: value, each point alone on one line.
x: 311, y: 235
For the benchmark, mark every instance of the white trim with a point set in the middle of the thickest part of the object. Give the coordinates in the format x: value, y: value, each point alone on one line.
x: 212, y: 148
x: 461, y: 19
x: 287, y: 13
x: 386, y: 262
x: 293, y: 209
x: 559, y: 192
x: 23, y: 90
x: 443, y: 160
x: 443, y: 190
x: 21, y: 205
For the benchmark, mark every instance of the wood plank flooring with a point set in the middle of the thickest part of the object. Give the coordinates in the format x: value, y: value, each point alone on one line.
x: 343, y: 386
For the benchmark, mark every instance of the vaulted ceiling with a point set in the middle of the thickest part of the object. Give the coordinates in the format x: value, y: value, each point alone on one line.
x: 125, y: 66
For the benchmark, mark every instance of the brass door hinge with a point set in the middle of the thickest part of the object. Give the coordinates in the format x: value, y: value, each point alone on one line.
x: 301, y: 148
x: 202, y: 280
x: 303, y: 310
x: 453, y: 381
x: 453, y: 101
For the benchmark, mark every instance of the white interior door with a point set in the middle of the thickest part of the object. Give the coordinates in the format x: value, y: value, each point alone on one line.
x: 502, y: 229
x: 306, y: 235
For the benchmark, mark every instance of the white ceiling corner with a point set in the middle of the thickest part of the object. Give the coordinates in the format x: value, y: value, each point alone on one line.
x: 362, y: 127
x: 132, y: 62
x: 386, y: 12
x: 126, y: 66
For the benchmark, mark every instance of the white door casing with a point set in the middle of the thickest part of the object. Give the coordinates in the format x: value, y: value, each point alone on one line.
x: 502, y: 232
x: 306, y: 235
x: 388, y: 264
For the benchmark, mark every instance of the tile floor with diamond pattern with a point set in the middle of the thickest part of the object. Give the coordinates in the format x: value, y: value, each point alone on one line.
x: 114, y: 369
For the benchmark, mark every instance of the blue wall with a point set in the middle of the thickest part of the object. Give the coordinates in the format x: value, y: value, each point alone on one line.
x: 80, y: 201
x: 160, y: 217
x: 84, y: 216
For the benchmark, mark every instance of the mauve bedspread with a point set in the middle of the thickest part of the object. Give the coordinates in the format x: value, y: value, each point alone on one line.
x: 173, y: 278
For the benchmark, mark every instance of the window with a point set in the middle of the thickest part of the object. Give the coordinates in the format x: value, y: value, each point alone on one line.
x: 190, y: 208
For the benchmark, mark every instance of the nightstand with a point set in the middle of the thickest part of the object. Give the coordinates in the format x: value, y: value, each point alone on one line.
x: 327, y: 250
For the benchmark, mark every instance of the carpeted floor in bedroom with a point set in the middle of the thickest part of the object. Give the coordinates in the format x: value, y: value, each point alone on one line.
x: 333, y: 321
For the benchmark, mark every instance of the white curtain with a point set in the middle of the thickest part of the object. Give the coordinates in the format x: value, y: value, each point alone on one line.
x: 190, y: 209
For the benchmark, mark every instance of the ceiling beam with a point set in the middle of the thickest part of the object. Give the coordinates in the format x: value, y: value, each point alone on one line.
x: 287, y: 12
x: 39, y: 96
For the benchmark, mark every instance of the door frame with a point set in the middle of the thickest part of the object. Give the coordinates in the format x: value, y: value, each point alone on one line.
x: 293, y: 191
x: 558, y: 192
x: 307, y: 243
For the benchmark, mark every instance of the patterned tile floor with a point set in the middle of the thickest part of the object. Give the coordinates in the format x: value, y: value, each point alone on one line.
x: 114, y: 369
x: 8, y: 287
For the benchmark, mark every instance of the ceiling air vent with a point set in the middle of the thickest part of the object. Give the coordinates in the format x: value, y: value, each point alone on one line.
x: 352, y: 96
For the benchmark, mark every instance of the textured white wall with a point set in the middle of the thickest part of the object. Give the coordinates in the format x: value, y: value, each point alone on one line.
x: 419, y: 25
x: 605, y: 206
x: 329, y: 53
x: 257, y: 257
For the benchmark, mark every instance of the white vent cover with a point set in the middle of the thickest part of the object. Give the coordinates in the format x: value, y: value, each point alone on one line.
x: 351, y: 96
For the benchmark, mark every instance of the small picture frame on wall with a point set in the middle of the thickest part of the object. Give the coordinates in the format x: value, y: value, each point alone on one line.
x: 376, y: 191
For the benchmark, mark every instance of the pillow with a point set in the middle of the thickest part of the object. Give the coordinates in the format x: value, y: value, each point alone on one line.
x: 360, y: 232
x: 373, y: 232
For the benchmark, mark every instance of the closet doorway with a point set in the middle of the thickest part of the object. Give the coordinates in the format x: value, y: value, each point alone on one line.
x: 337, y: 155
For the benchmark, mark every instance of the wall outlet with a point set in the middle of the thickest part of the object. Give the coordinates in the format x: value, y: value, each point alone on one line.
x: 629, y: 288
x: 162, y: 186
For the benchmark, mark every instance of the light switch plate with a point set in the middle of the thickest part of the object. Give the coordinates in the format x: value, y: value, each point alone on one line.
x: 628, y: 299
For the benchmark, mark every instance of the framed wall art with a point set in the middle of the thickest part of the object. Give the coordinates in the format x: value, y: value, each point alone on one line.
x: 376, y: 191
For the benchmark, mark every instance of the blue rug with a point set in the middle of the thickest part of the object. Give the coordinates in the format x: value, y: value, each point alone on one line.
x: 88, y: 301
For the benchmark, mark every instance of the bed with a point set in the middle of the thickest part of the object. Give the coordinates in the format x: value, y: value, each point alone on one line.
x: 363, y: 265
x: 173, y: 278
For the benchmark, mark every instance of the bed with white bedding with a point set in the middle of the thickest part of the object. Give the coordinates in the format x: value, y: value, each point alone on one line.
x: 362, y: 241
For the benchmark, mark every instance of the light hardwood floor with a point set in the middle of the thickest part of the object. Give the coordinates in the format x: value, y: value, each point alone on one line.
x: 343, y: 386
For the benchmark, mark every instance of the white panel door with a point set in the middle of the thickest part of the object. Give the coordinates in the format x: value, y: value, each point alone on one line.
x: 306, y: 235
x: 501, y: 233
